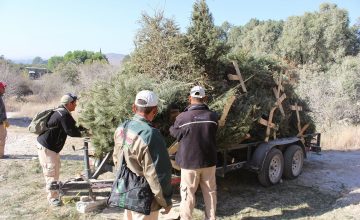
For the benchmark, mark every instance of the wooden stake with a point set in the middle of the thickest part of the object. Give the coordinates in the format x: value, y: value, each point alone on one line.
x: 227, y: 106
x: 279, y: 99
x: 303, y: 129
x: 269, y: 124
x: 297, y: 109
x: 238, y: 76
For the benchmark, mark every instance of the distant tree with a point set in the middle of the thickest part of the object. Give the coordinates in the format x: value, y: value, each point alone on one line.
x: 69, y: 71
x: 125, y: 59
x: 205, y: 41
x: 38, y: 61
x: 256, y: 37
x: 320, y: 37
x: 54, y: 61
x: 76, y: 57
x: 83, y: 56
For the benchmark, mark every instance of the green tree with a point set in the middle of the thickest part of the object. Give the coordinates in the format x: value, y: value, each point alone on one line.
x: 206, y: 42
x: 256, y: 37
x: 83, y: 56
x: 38, y: 61
x: 54, y: 61
x: 320, y: 37
x: 160, y: 51
x: 69, y: 71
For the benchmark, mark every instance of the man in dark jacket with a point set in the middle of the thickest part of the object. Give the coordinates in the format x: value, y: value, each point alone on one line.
x: 3, y: 122
x: 195, y: 129
x: 145, y: 152
x: 52, y: 141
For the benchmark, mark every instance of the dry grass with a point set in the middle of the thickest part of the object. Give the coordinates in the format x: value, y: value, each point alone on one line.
x: 23, y: 195
x: 239, y: 196
x: 32, y: 105
x: 29, y: 106
x: 341, y: 138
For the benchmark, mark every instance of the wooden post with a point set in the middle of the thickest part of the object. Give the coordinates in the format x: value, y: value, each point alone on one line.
x: 238, y: 76
x: 279, y: 99
x: 227, y: 106
x: 301, y: 130
x: 269, y: 124
x: 297, y: 109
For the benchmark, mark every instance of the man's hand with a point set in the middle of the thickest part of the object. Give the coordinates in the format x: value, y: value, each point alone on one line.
x: 84, y: 131
x: 81, y: 128
x: 6, y: 124
x: 166, y: 210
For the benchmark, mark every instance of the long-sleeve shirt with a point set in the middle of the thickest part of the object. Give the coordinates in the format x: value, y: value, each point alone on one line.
x: 61, y: 124
x: 146, y: 155
x: 195, y: 129
x: 3, y: 116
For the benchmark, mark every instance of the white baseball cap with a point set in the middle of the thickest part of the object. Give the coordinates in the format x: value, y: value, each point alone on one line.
x: 197, y: 92
x: 65, y: 99
x: 146, y: 98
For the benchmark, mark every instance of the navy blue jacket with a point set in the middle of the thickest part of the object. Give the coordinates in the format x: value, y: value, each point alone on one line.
x: 195, y: 129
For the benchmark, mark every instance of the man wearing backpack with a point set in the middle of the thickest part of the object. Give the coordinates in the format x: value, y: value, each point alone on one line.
x: 3, y: 121
x: 145, y: 154
x: 52, y: 141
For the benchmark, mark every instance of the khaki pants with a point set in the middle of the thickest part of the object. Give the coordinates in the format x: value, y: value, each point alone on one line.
x: 50, y: 163
x: 190, y: 180
x: 131, y: 215
x: 3, y: 133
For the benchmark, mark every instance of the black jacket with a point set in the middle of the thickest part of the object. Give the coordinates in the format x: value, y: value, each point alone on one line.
x: 195, y: 129
x: 62, y: 124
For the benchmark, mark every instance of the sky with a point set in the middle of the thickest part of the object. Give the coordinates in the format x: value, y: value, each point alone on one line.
x: 49, y: 28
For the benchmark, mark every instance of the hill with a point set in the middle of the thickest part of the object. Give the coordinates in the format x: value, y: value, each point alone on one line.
x: 115, y: 58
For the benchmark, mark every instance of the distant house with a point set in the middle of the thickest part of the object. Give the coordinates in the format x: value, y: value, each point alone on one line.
x: 36, y: 72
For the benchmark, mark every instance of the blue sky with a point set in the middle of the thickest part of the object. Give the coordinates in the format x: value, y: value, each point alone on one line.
x: 52, y: 27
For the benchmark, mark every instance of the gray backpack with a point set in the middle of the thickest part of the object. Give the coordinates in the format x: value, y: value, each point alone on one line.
x: 38, y: 124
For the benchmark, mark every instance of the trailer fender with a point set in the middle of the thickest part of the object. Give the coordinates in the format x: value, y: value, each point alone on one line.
x: 261, y: 151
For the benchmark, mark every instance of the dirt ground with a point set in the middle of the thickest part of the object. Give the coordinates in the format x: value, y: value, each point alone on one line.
x: 328, y: 188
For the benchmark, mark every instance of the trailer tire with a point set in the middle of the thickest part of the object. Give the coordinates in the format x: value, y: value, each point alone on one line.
x: 273, y: 168
x: 294, y: 161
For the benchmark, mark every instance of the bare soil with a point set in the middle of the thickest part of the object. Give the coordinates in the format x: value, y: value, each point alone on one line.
x: 328, y: 188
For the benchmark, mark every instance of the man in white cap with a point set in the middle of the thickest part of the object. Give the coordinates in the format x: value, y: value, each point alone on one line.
x: 195, y: 129
x: 3, y: 122
x: 145, y: 153
x: 52, y: 141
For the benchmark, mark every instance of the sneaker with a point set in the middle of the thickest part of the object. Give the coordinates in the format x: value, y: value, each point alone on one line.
x: 55, y: 202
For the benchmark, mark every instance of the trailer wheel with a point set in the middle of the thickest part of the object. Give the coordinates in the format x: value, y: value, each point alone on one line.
x: 294, y: 160
x: 273, y: 168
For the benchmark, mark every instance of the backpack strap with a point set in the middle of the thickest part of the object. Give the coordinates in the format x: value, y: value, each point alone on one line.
x: 58, y: 110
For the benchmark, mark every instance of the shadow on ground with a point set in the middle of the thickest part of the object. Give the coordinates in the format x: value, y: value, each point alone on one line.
x: 32, y: 157
x: 240, y: 194
x: 20, y: 121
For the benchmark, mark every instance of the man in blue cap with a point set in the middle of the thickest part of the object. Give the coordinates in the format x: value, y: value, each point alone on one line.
x: 52, y: 141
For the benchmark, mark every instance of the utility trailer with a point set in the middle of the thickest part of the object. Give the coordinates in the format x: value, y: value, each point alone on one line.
x: 272, y: 160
